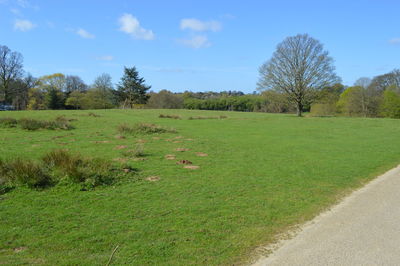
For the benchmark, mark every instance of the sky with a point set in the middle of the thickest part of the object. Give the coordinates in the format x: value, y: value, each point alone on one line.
x: 196, y: 45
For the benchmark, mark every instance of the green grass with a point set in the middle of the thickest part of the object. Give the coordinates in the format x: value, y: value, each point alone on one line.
x: 263, y: 174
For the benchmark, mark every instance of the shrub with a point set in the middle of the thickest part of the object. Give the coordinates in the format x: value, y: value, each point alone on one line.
x: 144, y: 128
x: 170, y: 116
x: 8, y: 122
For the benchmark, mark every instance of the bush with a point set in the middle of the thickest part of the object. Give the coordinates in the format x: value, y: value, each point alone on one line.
x: 8, y: 122
x: 143, y: 128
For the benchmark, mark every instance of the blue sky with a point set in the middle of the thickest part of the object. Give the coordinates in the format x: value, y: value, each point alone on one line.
x: 196, y: 45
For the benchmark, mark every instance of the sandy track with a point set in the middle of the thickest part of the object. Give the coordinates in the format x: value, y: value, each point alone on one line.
x: 364, y: 229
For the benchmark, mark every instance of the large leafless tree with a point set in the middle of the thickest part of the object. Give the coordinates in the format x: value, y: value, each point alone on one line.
x: 299, y: 67
x: 10, y: 70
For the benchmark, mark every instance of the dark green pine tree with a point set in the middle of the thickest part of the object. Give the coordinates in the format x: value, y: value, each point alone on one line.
x: 54, y: 101
x: 132, y: 88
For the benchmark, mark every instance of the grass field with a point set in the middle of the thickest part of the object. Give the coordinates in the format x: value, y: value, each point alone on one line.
x: 263, y: 174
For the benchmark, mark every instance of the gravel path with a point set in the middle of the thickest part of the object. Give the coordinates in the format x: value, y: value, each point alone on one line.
x: 364, y: 229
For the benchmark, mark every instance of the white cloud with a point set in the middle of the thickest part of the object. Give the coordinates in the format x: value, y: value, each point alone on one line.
x: 26, y: 4
x: 198, y: 25
x: 105, y: 58
x: 23, y: 3
x: 23, y: 25
x: 84, y: 34
x: 196, y: 42
x: 16, y: 11
x: 131, y: 25
x: 394, y: 41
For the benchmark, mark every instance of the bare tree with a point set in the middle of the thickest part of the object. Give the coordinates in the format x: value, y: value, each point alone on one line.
x: 75, y: 83
x: 298, y: 67
x: 10, y: 70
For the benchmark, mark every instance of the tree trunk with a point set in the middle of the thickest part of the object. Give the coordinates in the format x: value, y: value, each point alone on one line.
x: 299, y: 108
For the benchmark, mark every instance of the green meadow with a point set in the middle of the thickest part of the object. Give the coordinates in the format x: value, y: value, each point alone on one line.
x: 258, y: 175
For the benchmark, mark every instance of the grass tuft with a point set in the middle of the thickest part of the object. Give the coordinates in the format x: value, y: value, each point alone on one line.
x: 143, y: 128
x: 137, y: 152
x: 54, y: 167
x: 207, y: 117
x: 8, y: 122
x: 170, y: 116
x: 34, y: 124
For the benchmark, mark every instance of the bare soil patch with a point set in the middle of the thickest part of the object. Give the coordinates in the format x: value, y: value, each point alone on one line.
x: 153, y: 178
x: 170, y: 157
x: 120, y: 147
x: 184, y: 162
x: 182, y: 149
x: 191, y: 167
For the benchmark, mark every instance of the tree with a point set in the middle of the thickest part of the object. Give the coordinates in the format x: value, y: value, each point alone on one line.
x: 20, y: 91
x: 10, y: 70
x: 384, y: 81
x: 94, y: 99
x: 132, y: 88
x: 299, y: 67
x: 391, y: 104
x: 165, y: 100
x: 350, y: 102
x: 74, y: 83
x: 75, y: 99
x: 53, y: 87
x: 104, y: 90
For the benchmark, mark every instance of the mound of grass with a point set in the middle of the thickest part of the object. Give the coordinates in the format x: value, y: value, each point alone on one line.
x: 170, y: 116
x: 93, y: 114
x: 54, y: 167
x: 207, y: 117
x: 143, y: 128
x: 8, y: 122
x: 34, y: 124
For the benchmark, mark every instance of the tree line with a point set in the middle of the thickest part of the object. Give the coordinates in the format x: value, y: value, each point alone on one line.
x: 299, y: 77
x: 58, y: 91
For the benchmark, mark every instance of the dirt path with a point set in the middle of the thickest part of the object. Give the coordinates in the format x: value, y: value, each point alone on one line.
x: 364, y: 229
